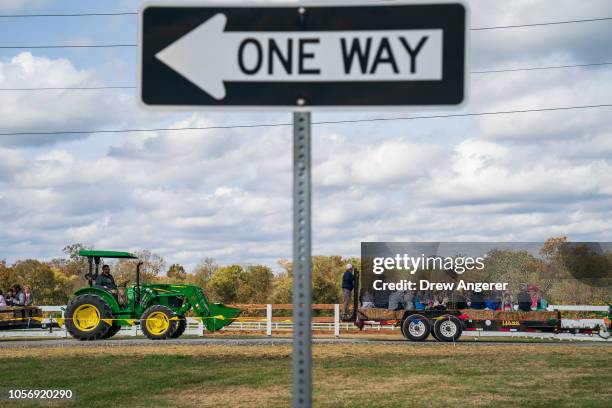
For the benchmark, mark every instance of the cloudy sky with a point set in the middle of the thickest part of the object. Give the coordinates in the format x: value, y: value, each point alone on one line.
x: 226, y: 194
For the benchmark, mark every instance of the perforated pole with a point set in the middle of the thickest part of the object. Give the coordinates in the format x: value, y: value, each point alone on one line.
x: 302, y: 282
x: 268, y: 320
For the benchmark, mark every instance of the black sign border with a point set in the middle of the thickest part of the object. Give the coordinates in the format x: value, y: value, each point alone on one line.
x: 162, y: 87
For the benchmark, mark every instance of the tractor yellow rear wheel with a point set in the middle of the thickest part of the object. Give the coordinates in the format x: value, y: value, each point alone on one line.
x: 88, y: 317
x: 159, y: 322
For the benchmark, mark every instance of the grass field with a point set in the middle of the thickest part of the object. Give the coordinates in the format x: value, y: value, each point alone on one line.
x: 344, y: 375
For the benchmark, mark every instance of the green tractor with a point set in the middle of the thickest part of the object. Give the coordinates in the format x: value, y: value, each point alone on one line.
x: 95, y: 313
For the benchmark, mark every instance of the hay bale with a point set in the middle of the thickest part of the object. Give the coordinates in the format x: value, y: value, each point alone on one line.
x: 380, y: 314
x: 537, y: 315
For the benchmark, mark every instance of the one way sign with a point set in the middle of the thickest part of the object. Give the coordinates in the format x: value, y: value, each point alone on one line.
x: 310, y: 57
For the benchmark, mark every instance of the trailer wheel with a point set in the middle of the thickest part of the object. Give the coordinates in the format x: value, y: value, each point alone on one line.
x: 448, y: 329
x: 158, y: 322
x: 433, y: 334
x: 180, y: 328
x: 416, y: 327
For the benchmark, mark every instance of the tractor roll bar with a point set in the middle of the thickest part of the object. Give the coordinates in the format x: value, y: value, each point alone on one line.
x: 92, y: 273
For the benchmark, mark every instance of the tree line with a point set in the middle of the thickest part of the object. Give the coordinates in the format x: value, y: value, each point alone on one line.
x: 53, y: 282
x: 565, y: 274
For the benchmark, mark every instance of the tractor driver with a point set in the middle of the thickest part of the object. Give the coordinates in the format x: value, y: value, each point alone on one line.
x: 106, y: 281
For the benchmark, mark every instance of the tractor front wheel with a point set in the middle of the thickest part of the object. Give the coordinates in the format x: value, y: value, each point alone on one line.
x: 114, y: 329
x: 159, y: 322
x: 88, y: 317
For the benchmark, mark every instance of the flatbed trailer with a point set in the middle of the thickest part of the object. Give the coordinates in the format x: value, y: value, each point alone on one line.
x: 449, y: 324
x: 21, y: 317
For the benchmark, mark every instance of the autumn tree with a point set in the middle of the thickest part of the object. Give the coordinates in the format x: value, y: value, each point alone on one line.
x: 48, y: 285
x: 203, y: 272
x: 152, y: 266
x: 6, y: 275
x: 72, y: 266
x: 177, y: 272
x: 255, y: 284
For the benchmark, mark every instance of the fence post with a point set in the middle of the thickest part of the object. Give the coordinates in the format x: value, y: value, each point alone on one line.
x: 337, y: 320
x: 269, y: 320
x: 63, y: 329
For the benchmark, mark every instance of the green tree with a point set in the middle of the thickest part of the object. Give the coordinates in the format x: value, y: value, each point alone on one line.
x: 255, y: 284
x: 326, y: 279
x: 282, y: 288
x: 225, y: 283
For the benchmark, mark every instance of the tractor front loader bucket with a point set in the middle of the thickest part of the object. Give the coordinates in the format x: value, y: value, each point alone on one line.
x: 220, y: 316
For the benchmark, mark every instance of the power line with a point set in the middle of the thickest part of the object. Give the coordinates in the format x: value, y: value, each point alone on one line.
x: 74, y: 88
x: 492, y: 71
x: 68, y: 15
x: 587, y: 20
x: 17, y: 47
x: 133, y: 13
x: 328, y: 122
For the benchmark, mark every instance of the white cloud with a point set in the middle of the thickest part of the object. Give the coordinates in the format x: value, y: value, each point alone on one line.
x: 57, y: 110
x: 342, y: 162
x: 583, y: 41
x: 484, y: 172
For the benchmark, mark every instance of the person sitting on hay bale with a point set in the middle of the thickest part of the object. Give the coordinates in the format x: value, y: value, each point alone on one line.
x: 367, y: 300
x: 524, y: 299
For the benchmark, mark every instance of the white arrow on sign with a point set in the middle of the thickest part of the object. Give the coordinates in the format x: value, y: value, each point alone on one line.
x: 208, y: 56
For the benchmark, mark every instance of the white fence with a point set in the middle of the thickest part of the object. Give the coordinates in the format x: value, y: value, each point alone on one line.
x: 195, y: 327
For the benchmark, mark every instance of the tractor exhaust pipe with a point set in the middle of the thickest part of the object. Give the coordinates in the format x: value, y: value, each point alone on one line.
x: 137, y: 292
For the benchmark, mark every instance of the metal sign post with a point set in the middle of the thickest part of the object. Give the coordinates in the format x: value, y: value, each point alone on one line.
x: 302, y: 275
x: 327, y: 56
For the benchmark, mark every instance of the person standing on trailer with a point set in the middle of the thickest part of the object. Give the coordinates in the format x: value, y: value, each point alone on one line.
x: 347, y: 289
